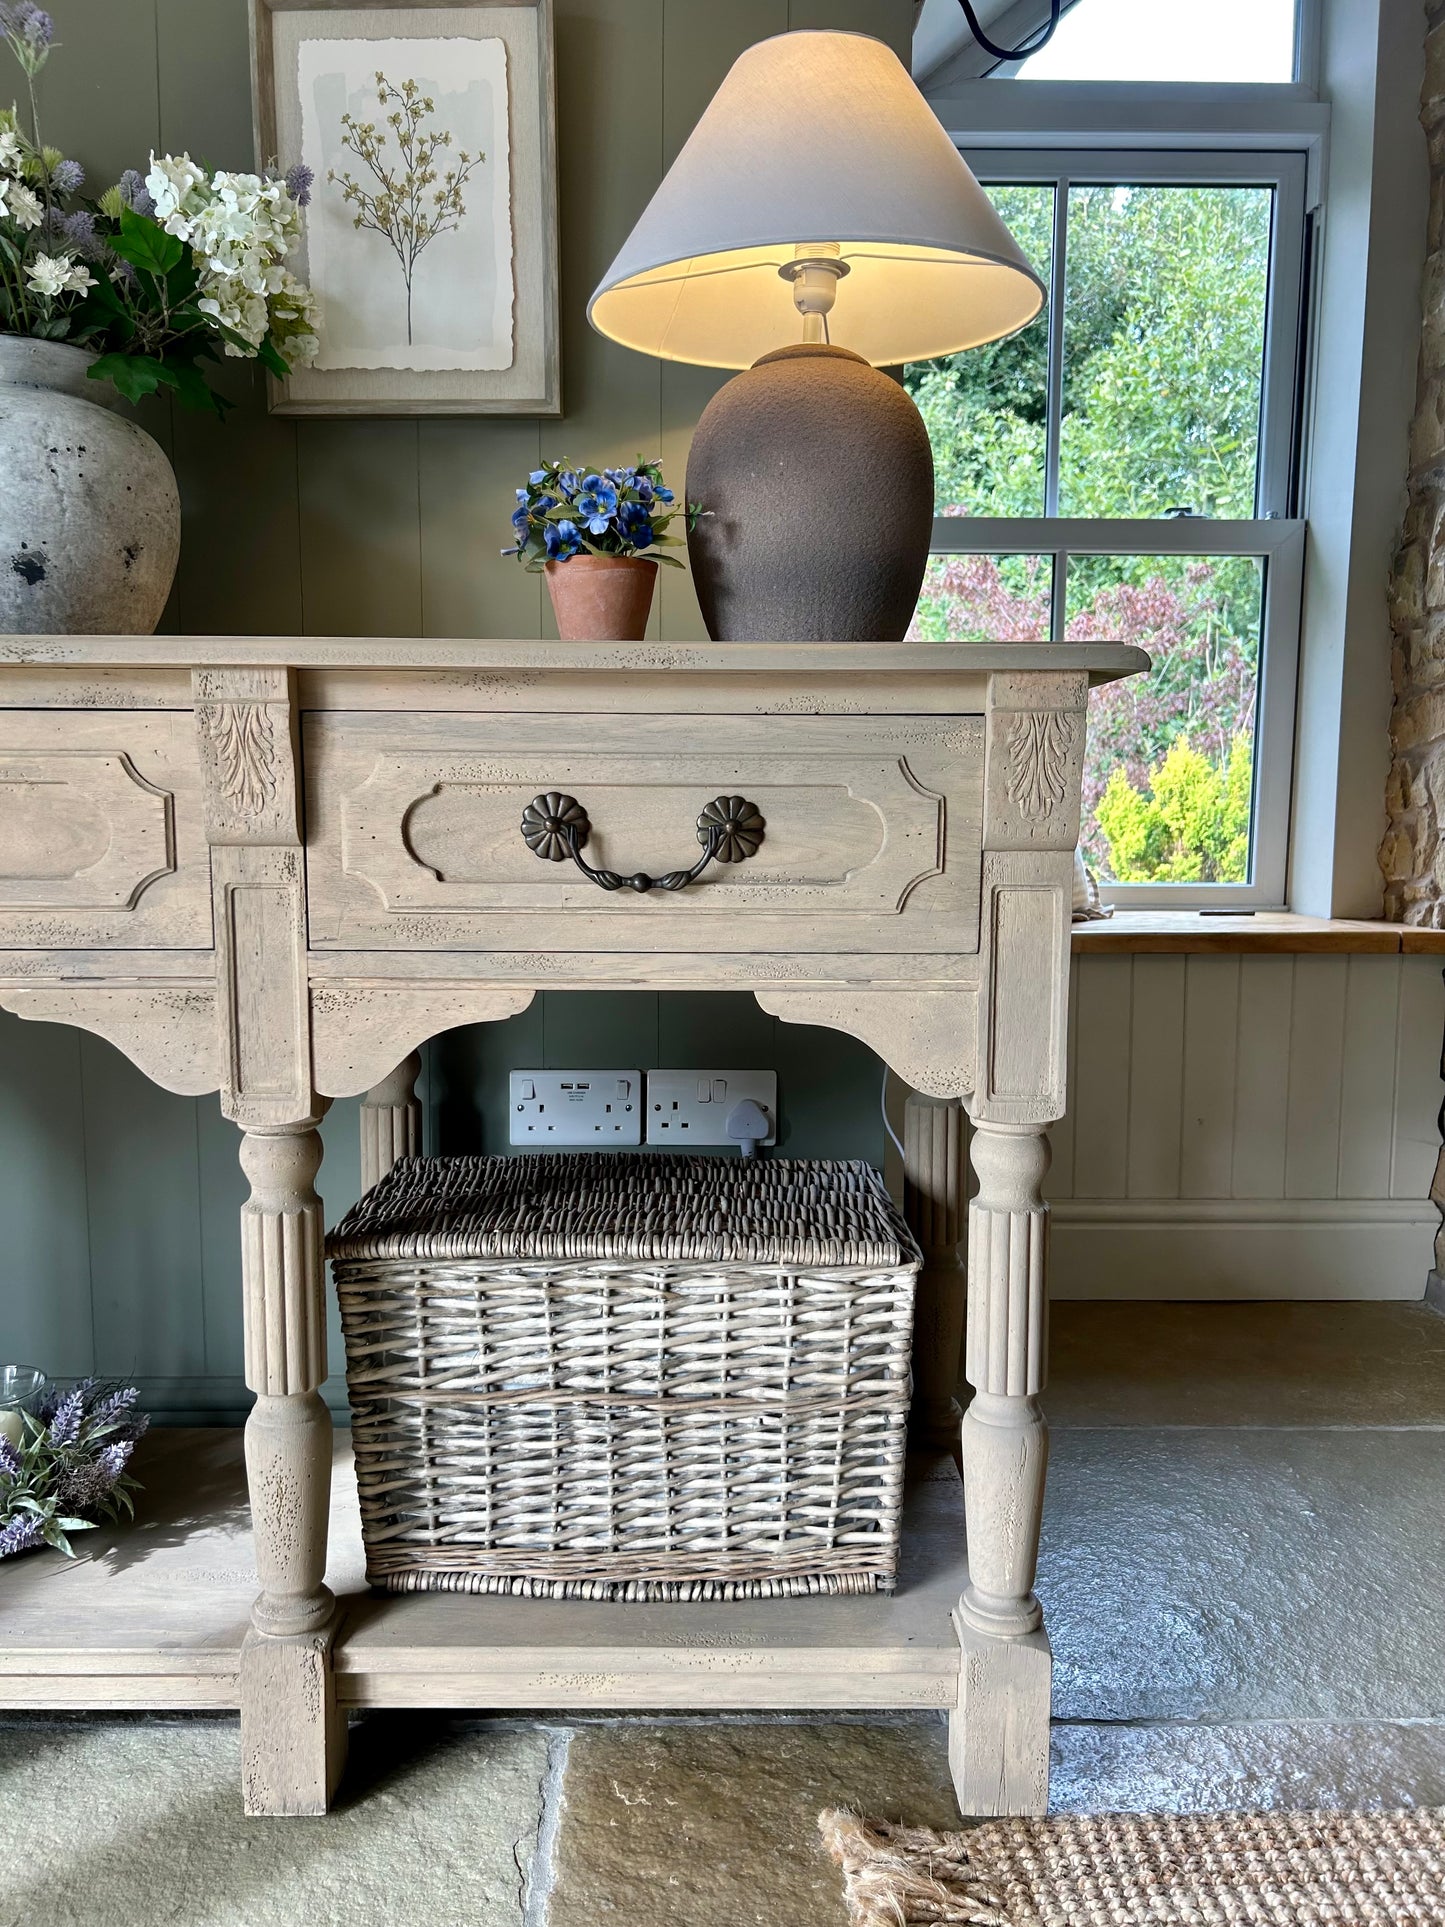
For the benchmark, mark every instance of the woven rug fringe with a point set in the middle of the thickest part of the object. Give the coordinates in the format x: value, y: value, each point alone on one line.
x: 909, y: 1876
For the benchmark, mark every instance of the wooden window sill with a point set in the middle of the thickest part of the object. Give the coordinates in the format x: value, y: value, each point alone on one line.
x: 1272, y: 932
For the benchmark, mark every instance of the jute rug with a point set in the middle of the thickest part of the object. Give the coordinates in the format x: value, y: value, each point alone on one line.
x: 1148, y: 1870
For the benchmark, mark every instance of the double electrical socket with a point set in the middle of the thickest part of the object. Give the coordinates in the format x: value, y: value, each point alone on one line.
x: 554, y: 1108
x: 576, y: 1107
x: 693, y: 1107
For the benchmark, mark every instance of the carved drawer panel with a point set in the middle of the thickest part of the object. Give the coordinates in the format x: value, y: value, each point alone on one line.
x: 871, y: 842
x: 100, y: 831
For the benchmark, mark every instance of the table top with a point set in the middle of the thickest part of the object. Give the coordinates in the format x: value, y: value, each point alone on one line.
x: 1103, y: 661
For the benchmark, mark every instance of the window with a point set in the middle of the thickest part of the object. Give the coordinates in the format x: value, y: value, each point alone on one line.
x: 1123, y: 469
x: 1152, y: 40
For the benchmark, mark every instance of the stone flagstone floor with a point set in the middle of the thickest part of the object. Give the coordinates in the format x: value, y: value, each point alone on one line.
x: 1244, y: 1554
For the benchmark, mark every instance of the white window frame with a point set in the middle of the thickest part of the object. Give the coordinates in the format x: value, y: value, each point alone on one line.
x: 1272, y: 534
x: 1353, y: 112
x: 1280, y: 546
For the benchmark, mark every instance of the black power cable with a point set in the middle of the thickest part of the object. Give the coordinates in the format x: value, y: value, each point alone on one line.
x: 1030, y: 46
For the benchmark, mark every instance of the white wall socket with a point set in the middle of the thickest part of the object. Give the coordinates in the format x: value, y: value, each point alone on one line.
x: 550, y: 1108
x: 693, y: 1107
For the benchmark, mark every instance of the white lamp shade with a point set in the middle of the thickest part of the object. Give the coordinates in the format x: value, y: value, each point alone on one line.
x: 821, y: 140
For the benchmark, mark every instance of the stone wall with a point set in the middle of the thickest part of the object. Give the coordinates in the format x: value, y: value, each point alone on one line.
x: 1412, y: 855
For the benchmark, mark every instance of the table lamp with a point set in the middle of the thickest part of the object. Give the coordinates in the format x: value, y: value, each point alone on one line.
x: 818, y: 225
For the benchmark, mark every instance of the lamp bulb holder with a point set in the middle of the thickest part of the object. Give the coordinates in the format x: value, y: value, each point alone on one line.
x: 815, y: 279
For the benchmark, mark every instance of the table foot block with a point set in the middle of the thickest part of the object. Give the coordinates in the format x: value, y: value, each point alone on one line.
x: 998, y: 1737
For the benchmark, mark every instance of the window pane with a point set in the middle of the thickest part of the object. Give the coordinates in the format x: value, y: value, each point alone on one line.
x: 1164, y: 318
x: 985, y: 598
x: 1249, y: 40
x: 985, y: 407
x: 1168, y: 769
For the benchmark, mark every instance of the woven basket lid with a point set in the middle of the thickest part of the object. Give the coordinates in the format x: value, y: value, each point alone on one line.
x: 616, y: 1205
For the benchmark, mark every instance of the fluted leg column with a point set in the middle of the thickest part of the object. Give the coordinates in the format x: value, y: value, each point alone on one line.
x: 292, y: 1737
x: 934, y: 1198
x: 390, y: 1122
x: 999, y: 1741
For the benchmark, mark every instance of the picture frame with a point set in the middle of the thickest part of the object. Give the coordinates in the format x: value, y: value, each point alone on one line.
x: 431, y: 237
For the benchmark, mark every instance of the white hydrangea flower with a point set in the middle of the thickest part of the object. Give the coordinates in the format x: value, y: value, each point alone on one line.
x: 177, y: 186
x: 24, y: 208
x: 54, y: 274
x: 10, y: 156
x: 295, y: 317
x: 240, y: 228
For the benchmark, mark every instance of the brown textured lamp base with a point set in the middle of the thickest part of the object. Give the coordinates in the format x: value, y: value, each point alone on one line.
x: 818, y: 476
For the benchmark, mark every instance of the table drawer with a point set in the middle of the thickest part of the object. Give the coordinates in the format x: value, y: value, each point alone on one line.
x: 100, y: 831
x: 872, y: 833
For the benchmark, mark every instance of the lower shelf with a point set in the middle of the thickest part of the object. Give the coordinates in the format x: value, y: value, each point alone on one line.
x: 153, y: 1616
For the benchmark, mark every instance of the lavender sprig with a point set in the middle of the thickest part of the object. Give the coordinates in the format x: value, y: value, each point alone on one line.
x: 70, y: 1470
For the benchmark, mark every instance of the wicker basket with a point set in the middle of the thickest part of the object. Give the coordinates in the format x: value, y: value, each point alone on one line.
x: 628, y: 1377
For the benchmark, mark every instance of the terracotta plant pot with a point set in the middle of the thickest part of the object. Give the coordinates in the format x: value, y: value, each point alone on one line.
x: 602, y: 598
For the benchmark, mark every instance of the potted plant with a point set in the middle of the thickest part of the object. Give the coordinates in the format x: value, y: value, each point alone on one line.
x: 112, y: 298
x: 598, y: 537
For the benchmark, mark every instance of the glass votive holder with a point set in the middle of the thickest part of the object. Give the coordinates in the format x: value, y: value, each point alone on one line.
x: 20, y: 1386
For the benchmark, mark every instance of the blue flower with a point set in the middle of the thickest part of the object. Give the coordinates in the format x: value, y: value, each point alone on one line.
x: 562, y: 539
x: 135, y: 193
x: 597, y: 504
x: 665, y: 495
x: 536, y: 478
x: 521, y: 521
x: 522, y: 495
x: 78, y: 230
x: 567, y: 481
x: 299, y: 182
x: 636, y: 525
x: 643, y: 488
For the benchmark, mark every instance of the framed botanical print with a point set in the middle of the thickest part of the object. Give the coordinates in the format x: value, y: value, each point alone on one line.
x: 429, y: 133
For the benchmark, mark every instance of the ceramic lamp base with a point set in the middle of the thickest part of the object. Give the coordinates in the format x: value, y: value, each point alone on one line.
x: 818, y: 476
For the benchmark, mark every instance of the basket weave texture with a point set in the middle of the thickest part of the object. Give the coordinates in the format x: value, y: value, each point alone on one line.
x: 628, y: 1377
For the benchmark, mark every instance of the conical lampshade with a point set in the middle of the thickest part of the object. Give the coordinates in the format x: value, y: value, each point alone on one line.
x: 816, y: 141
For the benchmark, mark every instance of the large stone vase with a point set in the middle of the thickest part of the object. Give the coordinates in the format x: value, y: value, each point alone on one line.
x: 90, y: 521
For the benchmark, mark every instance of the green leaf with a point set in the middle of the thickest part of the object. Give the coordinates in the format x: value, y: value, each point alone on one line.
x: 182, y: 279
x: 193, y: 390
x: 271, y: 358
x: 135, y: 376
x: 145, y: 243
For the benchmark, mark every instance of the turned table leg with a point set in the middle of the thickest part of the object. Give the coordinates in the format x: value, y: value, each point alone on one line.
x: 999, y: 1738
x: 390, y: 1122
x: 934, y: 1199
x: 293, y: 1737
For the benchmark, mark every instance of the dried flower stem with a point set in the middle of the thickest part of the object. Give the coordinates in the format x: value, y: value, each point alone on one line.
x: 414, y: 199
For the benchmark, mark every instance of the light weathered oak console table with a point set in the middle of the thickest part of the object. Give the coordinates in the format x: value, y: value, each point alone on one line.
x: 271, y: 868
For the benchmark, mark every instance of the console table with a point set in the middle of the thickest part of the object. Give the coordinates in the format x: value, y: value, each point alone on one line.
x: 272, y: 867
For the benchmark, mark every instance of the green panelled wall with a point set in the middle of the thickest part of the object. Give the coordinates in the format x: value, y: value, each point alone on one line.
x: 118, y: 1202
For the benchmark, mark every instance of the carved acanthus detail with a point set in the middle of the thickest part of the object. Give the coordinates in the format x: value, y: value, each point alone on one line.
x: 245, y: 746
x: 1040, y: 751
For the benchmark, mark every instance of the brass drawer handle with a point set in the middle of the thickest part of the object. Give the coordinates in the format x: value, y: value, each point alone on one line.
x: 555, y: 827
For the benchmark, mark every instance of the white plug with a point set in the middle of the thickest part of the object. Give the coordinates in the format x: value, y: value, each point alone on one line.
x: 749, y: 1125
